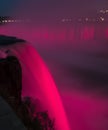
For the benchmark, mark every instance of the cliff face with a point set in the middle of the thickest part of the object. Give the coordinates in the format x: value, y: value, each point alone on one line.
x: 10, y: 91
x: 10, y: 80
x: 11, y: 86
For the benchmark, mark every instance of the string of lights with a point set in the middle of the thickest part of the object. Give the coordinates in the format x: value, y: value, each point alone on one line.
x: 6, y: 19
x: 100, y: 16
x: 100, y: 19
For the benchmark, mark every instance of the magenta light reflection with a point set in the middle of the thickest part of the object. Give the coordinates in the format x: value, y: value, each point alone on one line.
x: 87, y: 33
x: 38, y: 83
x: 48, y: 34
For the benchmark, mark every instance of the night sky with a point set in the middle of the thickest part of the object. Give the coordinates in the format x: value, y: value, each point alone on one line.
x: 52, y: 7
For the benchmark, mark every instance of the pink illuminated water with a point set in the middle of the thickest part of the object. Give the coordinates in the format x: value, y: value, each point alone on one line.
x: 38, y: 83
x: 53, y: 34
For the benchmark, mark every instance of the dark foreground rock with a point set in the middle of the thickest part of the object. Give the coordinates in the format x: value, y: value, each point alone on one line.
x: 8, y: 119
x: 10, y: 80
x: 9, y: 40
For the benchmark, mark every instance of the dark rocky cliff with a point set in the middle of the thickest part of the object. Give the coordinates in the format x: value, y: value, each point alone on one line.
x: 11, y: 86
x: 8, y: 118
x: 10, y: 79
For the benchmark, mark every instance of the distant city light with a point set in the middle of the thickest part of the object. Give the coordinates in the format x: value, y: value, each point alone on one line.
x: 66, y: 20
x: 104, y: 11
x: 86, y: 19
x: 9, y: 21
x: 63, y: 20
x: 102, y: 18
x: 5, y: 21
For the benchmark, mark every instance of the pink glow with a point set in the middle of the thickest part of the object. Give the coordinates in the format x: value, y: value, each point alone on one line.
x: 71, y: 35
x: 106, y: 32
x: 87, y: 33
x: 48, y: 34
x: 61, y: 35
x: 86, y: 111
x: 38, y: 83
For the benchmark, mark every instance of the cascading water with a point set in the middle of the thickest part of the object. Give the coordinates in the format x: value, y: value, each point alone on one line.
x: 38, y: 83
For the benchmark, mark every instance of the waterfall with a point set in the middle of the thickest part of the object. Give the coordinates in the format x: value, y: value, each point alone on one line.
x: 38, y: 83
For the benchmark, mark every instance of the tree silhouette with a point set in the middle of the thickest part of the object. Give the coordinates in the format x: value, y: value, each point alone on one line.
x: 43, y: 122
x: 40, y: 120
